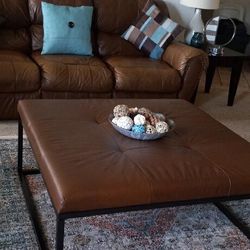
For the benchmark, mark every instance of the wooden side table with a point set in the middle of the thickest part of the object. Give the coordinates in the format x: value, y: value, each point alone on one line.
x: 232, y: 59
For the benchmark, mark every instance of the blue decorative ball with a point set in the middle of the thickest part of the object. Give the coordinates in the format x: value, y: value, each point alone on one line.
x: 138, y: 129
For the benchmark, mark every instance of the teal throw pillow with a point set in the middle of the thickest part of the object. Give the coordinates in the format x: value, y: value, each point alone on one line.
x: 67, y: 30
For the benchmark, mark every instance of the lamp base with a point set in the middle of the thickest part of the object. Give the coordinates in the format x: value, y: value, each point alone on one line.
x: 196, y: 25
x: 197, y: 40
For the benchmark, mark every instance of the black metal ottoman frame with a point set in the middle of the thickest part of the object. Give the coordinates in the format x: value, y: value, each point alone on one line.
x: 60, y: 218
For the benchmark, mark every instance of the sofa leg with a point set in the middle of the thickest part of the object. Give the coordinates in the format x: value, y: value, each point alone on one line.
x: 59, y: 232
x: 194, y: 95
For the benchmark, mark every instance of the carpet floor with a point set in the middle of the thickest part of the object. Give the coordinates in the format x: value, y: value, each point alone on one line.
x: 186, y: 227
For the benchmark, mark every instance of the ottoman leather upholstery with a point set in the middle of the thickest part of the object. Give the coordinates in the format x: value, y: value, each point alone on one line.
x: 87, y: 165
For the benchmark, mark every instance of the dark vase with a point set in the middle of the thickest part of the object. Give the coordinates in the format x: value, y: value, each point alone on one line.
x: 197, y: 40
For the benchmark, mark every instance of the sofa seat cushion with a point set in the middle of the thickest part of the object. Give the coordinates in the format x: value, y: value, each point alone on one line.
x: 140, y: 74
x: 8, y: 103
x: 18, y: 73
x: 73, y: 73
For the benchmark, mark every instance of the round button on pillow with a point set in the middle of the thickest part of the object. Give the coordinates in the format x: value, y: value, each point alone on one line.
x: 71, y: 24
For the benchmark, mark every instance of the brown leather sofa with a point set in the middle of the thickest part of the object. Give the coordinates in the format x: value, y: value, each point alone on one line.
x: 118, y: 69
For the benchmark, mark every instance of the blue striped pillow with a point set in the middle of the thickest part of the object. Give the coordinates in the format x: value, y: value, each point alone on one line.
x: 152, y: 32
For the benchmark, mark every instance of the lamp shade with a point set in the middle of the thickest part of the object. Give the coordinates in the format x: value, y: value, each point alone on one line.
x: 201, y: 4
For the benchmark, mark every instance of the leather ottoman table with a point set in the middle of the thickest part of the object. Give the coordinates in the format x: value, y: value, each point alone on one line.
x: 90, y: 169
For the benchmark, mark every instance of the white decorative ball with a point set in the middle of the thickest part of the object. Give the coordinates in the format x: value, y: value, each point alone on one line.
x: 125, y: 122
x: 150, y: 129
x: 161, y: 127
x: 139, y: 119
x: 115, y: 120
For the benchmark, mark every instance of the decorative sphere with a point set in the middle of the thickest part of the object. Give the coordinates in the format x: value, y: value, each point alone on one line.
x: 144, y: 111
x: 125, y: 122
x: 121, y: 110
x: 161, y: 127
x: 150, y: 129
x: 139, y: 120
x: 133, y: 111
x: 138, y: 129
x: 160, y: 116
x: 115, y: 120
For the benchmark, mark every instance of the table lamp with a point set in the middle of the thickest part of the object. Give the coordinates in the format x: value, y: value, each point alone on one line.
x: 196, y: 25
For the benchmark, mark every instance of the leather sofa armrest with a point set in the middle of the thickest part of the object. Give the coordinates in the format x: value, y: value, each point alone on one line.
x: 191, y: 63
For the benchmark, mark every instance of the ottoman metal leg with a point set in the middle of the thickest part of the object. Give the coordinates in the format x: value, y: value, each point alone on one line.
x: 26, y: 191
x: 233, y: 218
x: 59, y: 232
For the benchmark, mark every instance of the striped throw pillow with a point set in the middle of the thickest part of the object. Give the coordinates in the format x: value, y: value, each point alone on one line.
x: 152, y: 32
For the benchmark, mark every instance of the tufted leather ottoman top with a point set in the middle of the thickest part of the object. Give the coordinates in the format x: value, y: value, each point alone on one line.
x: 87, y: 165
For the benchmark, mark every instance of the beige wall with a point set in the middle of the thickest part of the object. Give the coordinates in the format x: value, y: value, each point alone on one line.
x: 179, y: 13
x: 246, y: 7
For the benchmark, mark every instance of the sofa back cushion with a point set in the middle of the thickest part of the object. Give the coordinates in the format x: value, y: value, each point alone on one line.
x: 35, y: 11
x: 112, y: 18
x: 14, y: 31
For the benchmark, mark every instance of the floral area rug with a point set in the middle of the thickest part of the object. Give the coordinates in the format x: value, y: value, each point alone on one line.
x: 185, y: 227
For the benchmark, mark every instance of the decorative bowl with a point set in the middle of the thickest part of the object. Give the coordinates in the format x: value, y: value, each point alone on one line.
x: 143, y: 136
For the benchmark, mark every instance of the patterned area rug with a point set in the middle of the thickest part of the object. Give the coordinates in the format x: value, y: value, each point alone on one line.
x: 186, y: 227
